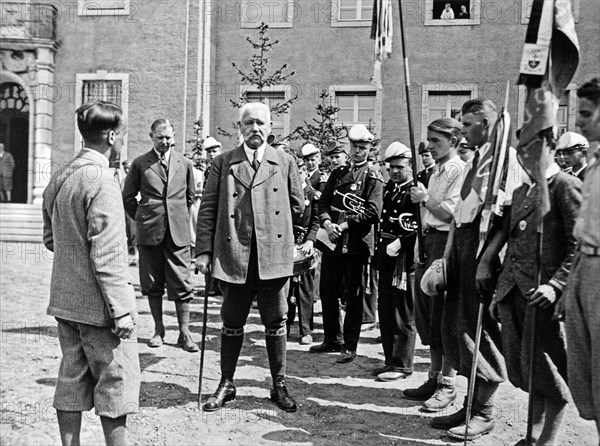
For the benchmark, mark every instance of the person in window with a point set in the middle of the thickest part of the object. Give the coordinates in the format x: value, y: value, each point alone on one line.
x: 464, y: 13
x: 447, y: 13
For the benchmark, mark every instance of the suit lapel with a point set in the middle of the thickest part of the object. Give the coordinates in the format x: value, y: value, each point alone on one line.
x: 174, y: 165
x: 152, y: 161
x: 267, y: 168
x: 241, y: 168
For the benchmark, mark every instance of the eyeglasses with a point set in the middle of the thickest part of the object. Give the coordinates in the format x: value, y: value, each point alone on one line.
x: 569, y: 151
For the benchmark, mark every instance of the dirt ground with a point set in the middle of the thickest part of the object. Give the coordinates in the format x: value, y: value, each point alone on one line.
x: 338, y: 404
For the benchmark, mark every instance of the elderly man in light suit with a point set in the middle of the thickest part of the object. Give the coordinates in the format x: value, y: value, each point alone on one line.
x: 165, y: 180
x: 245, y: 237
x: 91, y: 295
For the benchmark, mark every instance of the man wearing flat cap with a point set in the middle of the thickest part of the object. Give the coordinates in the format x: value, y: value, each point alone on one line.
x: 571, y: 151
x: 337, y: 155
x: 394, y: 259
x: 349, y: 207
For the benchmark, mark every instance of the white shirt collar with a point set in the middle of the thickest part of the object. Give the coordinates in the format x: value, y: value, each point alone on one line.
x: 167, y: 154
x: 260, y: 152
x: 98, y: 157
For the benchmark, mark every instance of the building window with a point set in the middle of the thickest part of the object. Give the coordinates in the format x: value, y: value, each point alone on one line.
x: 452, y: 12
x: 275, y: 95
x: 444, y: 101
x: 526, y: 10
x: 567, y: 109
x: 103, y: 7
x: 355, y: 107
x: 103, y: 86
x: 347, y: 13
x: 275, y: 13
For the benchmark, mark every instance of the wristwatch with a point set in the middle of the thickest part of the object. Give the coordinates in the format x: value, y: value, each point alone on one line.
x: 425, y: 200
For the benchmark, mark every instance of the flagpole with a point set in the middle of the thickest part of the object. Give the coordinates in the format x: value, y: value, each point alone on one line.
x: 411, y: 134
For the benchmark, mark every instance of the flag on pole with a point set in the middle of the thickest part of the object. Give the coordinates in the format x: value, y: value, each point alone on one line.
x: 550, y: 59
x: 499, y: 146
x: 382, y: 31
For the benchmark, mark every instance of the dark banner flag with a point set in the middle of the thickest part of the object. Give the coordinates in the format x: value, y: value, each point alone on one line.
x: 550, y: 59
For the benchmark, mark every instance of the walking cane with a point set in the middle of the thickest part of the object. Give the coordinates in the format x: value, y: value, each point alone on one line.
x: 474, y: 367
x: 203, y: 344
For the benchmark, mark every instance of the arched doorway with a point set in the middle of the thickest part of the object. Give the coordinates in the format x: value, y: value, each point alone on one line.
x: 14, y: 133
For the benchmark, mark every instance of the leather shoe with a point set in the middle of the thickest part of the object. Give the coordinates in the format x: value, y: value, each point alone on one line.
x: 478, y: 426
x: 392, y: 375
x: 449, y: 421
x: 186, y: 343
x: 306, y: 340
x: 346, y: 356
x: 224, y: 393
x: 379, y: 370
x: 325, y: 348
x: 281, y: 397
x: 421, y: 393
x: 157, y: 339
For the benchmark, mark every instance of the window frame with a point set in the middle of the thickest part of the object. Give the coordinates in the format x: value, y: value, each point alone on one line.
x: 83, y: 8
x: 254, y: 24
x: 287, y: 94
x: 442, y: 87
x: 570, y: 91
x: 80, y: 79
x: 475, y: 14
x: 336, y: 22
x: 360, y: 88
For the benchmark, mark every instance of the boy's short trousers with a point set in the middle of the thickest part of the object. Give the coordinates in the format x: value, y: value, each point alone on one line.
x: 98, y: 369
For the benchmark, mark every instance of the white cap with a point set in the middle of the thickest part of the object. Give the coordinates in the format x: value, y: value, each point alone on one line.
x: 397, y: 150
x: 571, y: 139
x: 309, y: 149
x: 210, y: 142
x: 359, y: 132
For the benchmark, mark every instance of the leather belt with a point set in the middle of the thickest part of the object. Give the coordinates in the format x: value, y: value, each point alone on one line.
x: 589, y: 250
x: 433, y: 231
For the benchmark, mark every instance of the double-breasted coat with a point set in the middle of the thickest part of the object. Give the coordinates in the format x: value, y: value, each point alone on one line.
x: 238, y: 202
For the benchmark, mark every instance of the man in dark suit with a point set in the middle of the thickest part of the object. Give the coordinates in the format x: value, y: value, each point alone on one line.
x: 344, y: 268
x: 165, y: 180
x: 428, y: 162
x: 245, y: 238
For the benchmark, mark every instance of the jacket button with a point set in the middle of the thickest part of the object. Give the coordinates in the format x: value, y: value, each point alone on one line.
x: 514, y: 259
x: 228, y: 239
x: 235, y: 194
x: 274, y: 189
x: 276, y: 212
x: 278, y: 235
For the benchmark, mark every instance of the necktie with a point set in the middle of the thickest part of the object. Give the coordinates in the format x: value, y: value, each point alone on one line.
x: 163, y: 163
x: 466, y: 187
x: 255, y: 162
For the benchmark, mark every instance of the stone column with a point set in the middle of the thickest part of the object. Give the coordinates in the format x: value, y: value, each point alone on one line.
x: 46, y: 94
